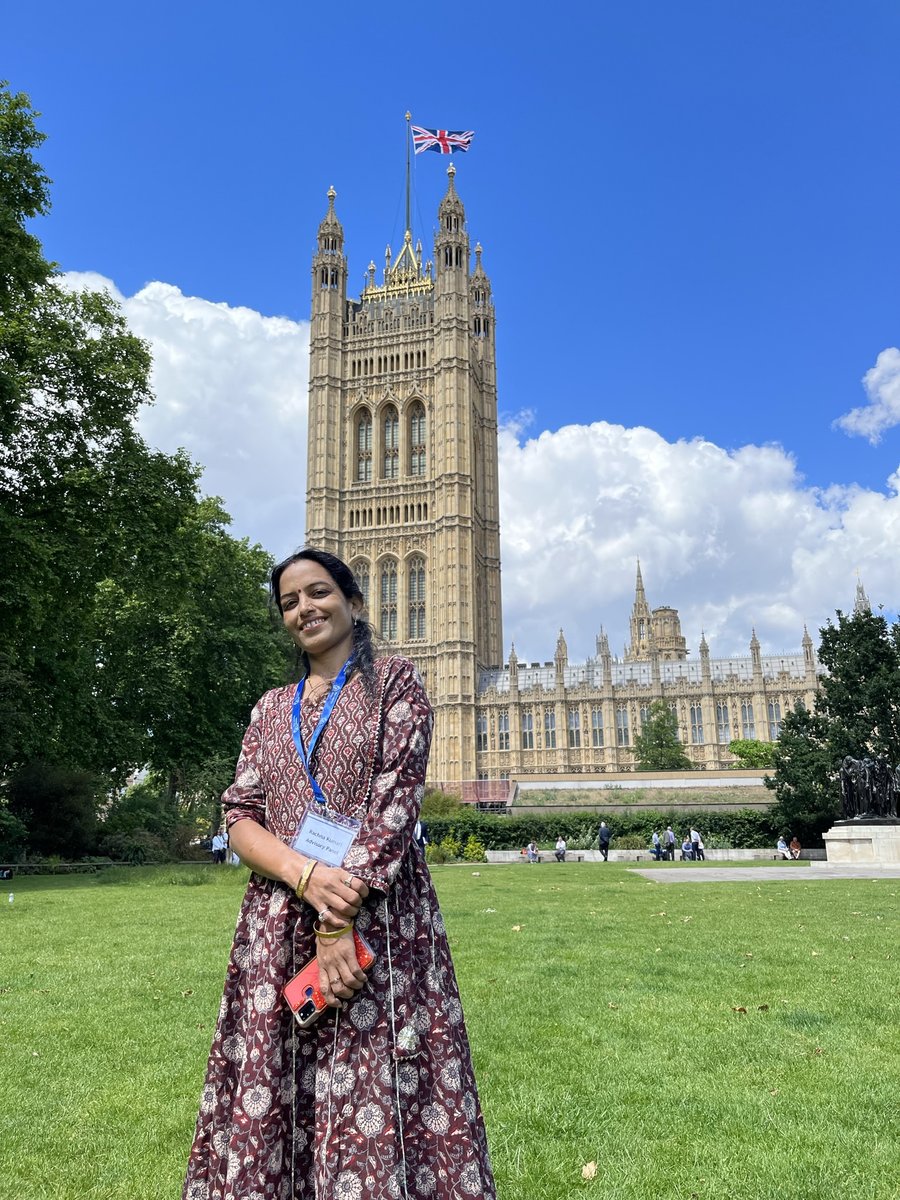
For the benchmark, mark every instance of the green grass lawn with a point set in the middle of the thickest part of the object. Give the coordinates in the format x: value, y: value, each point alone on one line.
x: 729, y: 1040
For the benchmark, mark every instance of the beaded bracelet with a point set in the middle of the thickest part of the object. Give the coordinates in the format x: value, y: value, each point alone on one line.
x: 327, y: 935
x: 311, y: 864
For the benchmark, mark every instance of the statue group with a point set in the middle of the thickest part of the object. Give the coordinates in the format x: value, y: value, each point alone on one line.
x: 870, y: 788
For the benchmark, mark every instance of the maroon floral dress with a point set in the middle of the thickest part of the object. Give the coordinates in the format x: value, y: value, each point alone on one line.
x: 377, y: 1101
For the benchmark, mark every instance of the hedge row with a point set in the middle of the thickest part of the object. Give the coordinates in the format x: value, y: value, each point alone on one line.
x: 745, y: 829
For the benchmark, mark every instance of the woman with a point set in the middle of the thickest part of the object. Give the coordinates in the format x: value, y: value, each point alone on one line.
x: 378, y: 1098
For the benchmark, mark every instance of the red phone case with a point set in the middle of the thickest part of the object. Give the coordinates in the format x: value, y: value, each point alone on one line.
x: 302, y: 993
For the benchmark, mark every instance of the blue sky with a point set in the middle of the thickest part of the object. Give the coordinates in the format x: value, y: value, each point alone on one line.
x: 688, y: 213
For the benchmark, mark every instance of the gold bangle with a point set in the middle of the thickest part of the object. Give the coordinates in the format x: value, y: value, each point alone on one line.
x: 327, y: 935
x: 311, y: 864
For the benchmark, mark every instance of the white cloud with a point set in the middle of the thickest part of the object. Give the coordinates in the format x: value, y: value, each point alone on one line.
x: 731, y: 539
x: 882, y: 384
x: 231, y: 389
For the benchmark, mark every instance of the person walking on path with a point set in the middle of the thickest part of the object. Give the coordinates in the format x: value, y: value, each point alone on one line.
x: 697, y: 844
x: 670, y: 843
x: 218, y: 846
x: 377, y: 1099
x: 420, y: 835
x: 603, y: 840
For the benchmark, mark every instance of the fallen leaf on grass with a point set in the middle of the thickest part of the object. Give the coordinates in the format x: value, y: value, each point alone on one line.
x: 477, y: 874
x: 739, y: 1008
x: 489, y: 910
x: 516, y: 928
x: 611, y: 1005
x: 818, y: 1050
x: 589, y: 1170
x: 762, y: 1008
x: 189, y: 992
x: 773, y: 1091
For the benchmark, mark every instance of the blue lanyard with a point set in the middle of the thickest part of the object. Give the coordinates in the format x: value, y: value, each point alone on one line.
x: 306, y: 756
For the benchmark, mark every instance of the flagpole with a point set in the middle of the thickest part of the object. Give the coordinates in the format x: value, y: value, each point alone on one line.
x: 408, y: 117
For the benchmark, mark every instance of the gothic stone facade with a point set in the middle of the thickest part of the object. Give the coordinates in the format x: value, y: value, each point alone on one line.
x: 557, y: 718
x: 402, y: 484
x: 402, y: 473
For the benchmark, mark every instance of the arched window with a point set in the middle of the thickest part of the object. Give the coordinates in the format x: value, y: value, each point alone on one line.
x: 723, y: 724
x: 389, y: 600
x: 503, y: 730
x: 417, y: 439
x: 360, y: 571
x: 697, y: 724
x: 481, y: 732
x: 364, y: 447
x: 416, y: 599
x: 527, y: 731
x: 574, y: 729
x: 597, y: 727
x: 391, y: 443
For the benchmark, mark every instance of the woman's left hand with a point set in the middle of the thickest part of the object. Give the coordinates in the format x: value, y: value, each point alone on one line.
x: 340, y: 975
x: 331, y: 890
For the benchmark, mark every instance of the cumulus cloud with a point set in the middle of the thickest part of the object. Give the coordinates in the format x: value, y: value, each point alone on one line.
x: 733, y: 539
x: 882, y: 384
x: 231, y: 389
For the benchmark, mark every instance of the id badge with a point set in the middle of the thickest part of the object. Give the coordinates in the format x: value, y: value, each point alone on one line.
x: 326, y: 836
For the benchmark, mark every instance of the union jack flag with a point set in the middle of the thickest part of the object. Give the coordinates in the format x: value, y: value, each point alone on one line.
x: 441, y: 141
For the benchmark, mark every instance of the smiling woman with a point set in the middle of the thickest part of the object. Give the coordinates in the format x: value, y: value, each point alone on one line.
x: 378, y: 1098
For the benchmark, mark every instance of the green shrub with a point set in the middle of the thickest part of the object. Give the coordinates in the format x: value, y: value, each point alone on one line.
x: 13, y: 836
x: 746, y: 828
x: 451, y: 847
x: 473, y: 851
x: 136, y: 848
x: 434, y: 853
x: 631, y: 841
x: 437, y: 803
x: 713, y: 841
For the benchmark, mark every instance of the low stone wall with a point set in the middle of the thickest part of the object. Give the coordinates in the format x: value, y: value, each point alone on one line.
x: 512, y: 856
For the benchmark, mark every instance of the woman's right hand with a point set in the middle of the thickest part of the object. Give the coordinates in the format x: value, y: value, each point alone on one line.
x: 334, y: 889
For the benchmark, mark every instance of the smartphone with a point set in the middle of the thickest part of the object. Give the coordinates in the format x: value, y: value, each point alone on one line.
x: 302, y: 993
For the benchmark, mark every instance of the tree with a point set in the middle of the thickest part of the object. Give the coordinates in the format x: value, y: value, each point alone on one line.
x: 57, y: 805
x: 133, y: 628
x: 657, y: 747
x: 856, y: 712
x: 751, y: 754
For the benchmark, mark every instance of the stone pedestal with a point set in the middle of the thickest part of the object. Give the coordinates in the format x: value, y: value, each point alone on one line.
x: 864, y: 843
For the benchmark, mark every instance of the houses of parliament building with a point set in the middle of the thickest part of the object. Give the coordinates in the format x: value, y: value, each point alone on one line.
x: 402, y: 484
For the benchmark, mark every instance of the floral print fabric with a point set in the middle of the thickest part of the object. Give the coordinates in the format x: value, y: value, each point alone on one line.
x: 378, y: 1101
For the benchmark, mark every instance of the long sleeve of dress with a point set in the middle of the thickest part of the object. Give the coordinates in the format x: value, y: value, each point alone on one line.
x: 398, y: 784
x: 245, y: 798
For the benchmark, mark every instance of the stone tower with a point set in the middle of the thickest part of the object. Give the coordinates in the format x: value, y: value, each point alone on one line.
x: 402, y: 472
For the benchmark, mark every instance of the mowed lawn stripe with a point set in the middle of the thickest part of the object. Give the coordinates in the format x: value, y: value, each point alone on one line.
x: 715, y: 1040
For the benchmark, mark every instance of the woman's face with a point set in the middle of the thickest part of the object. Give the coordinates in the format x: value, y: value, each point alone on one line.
x: 316, y: 613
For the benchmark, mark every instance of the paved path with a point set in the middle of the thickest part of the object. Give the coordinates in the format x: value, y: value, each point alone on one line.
x: 764, y: 874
